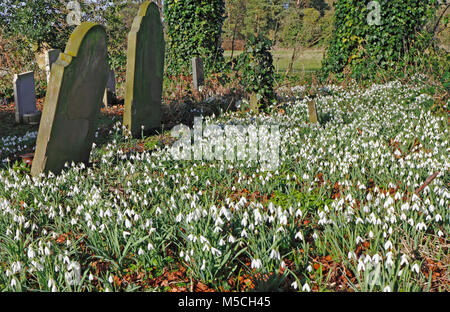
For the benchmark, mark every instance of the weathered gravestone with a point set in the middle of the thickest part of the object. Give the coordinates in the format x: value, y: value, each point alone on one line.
x: 110, y: 92
x: 25, y: 99
x: 198, y: 76
x: 73, y: 101
x: 312, y: 112
x: 145, y: 70
x: 50, y: 58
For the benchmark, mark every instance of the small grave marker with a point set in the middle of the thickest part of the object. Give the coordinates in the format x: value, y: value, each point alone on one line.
x: 25, y: 99
x: 197, y: 73
x: 312, y: 112
x: 110, y: 92
x: 50, y: 58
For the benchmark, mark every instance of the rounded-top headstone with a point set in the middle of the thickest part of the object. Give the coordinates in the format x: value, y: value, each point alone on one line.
x: 145, y: 70
x: 73, y: 101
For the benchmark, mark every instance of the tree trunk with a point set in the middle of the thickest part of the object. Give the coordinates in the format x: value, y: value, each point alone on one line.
x: 291, y: 63
x: 232, y: 41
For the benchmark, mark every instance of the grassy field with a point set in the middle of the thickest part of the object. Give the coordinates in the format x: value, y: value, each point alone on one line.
x: 306, y: 60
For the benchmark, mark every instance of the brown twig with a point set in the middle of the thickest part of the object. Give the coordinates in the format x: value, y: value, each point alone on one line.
x: 427, y: 181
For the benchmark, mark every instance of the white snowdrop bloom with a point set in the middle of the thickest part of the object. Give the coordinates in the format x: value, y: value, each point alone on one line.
x: 309, y: 268
x: 140, y: 252
x: 125, y: 234
x: 256, y: 264
x: 274, y: 254
x: 283, y: 219
x: 299, y: 236
x: 351, y: 254
x: 411, y: 221
x: 421, y: 226
x: 315, y: 236
x: 415, y: 198
x: 388, y: 245
x: 359, y: 240
x: 298, y: 213
x: 440, y: 233
x: 202, y: 268
x: 13, y: 282
x: 376, y: 258
x: 387, y: 288
x: 367, y: 259
x: 91, y: 277
x: 158, y: 211
x: 389, y: 201
x: 306, y: 288
x: 127, y: 223
x: 438, y: 218
x: 294, y: 285
x: 415, y: 268
x: 110, y: 279
x: 371, y: 234
x: 404, y: 260
x: 179, y: 218
x: 405, y: 206
x: 30, y: 253
x: 361, y: 266
x: 244, y: 233
x: 215, y: 252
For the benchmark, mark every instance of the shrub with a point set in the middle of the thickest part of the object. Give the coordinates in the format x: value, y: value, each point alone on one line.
x: 398, y: 41
x: 256, y: 70
x: 194, y: 29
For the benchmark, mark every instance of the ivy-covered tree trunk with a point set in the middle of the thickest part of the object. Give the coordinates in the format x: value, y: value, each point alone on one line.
x: 194, y: 29
x: 369, y: 35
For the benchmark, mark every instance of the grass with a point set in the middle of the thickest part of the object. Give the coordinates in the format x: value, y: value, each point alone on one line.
x: 306, y: 60
x: 339, y: 213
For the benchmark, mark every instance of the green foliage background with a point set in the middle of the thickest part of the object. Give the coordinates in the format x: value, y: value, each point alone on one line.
x: 194, y: 29
x: 399, y: 41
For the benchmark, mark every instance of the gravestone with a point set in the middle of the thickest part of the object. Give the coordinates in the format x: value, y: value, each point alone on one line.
x: 50, y: 58
x: 73, y: 101
x: 145, y: 70
x: 110, y: 92
x: 197, y: 72
x: 312, y: 112
x: 25, y: 99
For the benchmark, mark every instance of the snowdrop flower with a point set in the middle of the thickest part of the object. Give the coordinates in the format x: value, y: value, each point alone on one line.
x: 415, y: 268
x: 440, y: 233
x: 359, y: 240
x: 299, y: 236
x: 309, y: 268
x: 125, y: 234
x: 388, y: 245
x: 274, y: 254
x: 215, y: 251
x: 30, y: 253
x: 294, y: 285
x: 306, y: 288
x: 361, y: 266
x: 256, y: 264
x: 404, y: 260
x: 387, y: 289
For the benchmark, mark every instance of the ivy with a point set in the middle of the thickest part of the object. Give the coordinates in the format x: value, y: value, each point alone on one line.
x: 362, y: 47
x: 194, y: 29
x: 256, y: 70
